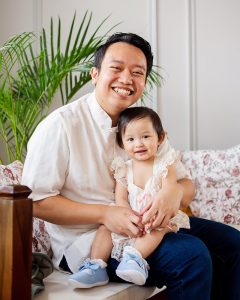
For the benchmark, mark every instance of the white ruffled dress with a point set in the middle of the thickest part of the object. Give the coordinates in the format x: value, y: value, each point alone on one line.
x: 139, y: 198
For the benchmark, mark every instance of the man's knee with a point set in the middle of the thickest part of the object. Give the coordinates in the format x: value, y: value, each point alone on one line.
x: 182, y: 263
x: 199, y: 258
x: 179, y: 253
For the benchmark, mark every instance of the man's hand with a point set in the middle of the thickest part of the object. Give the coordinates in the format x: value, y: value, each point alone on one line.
x: 164, y: 206
x: 123, y: 220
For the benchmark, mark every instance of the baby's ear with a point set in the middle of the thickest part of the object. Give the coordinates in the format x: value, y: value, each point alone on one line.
x: 162, y: 136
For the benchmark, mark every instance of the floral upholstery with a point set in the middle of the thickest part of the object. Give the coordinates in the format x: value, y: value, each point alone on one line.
x: 217, y: 177
x: 215, y: 172
x: 41, y: 239
x: 12, y: 174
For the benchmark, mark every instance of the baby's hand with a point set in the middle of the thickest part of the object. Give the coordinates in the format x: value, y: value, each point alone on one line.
x: 148, y: 227
x: 149, y: 203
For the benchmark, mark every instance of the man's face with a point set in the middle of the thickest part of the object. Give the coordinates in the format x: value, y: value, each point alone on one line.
x: 121, y: 80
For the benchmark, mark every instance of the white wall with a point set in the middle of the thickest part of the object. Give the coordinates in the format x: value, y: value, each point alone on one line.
x: 173, y: 58
x: 196, y: 42
x: 15, y: 17
x: 217, y: 71
x: 199, y: 48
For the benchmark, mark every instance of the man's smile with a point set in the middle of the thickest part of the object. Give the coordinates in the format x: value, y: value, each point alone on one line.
x: 123, y: 91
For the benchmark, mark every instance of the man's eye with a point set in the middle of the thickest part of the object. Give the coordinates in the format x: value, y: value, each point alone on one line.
x: 138, y: 73
x: 115, y: 68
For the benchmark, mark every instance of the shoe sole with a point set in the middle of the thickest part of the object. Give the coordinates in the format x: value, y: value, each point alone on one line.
x: 76, y: 284
x: 130, y: 276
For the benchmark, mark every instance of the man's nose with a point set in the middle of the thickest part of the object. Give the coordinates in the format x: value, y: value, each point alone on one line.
x: 126, y: 77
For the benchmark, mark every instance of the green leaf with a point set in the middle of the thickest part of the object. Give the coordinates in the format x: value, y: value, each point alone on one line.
x: 29, y: 79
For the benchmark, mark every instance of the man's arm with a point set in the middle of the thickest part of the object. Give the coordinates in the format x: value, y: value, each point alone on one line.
x: 63, y: 211
x: 189, y: 191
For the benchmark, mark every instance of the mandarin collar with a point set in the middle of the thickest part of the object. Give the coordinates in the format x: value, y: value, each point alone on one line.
x: 99, y: 115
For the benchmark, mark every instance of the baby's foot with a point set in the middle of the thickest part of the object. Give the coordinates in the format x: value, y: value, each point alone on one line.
x: 133, y: 268
x: 91, y: 273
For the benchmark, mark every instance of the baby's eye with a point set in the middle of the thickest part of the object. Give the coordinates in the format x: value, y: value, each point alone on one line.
x: 146, y: 136
x: 130, y: 139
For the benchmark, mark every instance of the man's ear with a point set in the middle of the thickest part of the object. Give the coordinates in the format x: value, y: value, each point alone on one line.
x: 94, y: 75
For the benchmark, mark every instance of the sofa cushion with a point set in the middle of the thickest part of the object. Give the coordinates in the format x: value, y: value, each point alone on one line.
x: 11, y: 174
x: 217, y: 177
x: 41, y: 239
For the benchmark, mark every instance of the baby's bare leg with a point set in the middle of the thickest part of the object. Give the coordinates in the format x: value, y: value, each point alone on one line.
x: 102, y: 244
x: 147, y: 243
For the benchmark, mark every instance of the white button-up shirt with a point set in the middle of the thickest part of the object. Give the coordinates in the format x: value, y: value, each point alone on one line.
x: 70, y: 154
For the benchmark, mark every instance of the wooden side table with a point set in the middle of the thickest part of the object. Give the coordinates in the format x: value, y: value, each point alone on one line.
x: 15, y: 243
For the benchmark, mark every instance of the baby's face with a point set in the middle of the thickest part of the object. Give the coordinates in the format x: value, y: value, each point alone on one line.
x: 140, y: 140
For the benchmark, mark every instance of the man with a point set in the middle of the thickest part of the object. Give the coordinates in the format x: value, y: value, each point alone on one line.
x: 68, y: 170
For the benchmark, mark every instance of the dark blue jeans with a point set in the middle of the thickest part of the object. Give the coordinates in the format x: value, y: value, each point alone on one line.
x: 200, y: 263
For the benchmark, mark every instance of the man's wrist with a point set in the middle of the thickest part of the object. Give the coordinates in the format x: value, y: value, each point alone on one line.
x: 181, y: 191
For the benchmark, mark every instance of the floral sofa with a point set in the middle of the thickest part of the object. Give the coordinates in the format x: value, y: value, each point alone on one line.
x: 217, y: 177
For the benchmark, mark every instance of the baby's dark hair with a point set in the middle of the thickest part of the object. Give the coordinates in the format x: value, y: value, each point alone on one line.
x: 130, y: 38
x: 135, y: 113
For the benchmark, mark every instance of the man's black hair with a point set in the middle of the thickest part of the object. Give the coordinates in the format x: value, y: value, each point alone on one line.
x: 130, y: 38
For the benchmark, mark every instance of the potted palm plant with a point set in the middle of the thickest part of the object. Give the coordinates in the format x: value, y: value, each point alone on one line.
x: 29, y: 79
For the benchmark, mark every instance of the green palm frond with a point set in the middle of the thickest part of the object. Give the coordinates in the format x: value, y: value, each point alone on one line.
x: 10, y: 131
x: 10, y: 53
x: 18, y: 119
x: 154, y: 79
x: 41, y: 76
x: 29, y: 79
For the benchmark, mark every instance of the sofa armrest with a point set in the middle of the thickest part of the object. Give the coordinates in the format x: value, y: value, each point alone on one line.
x: 16, y: 242
x: 216, y: 174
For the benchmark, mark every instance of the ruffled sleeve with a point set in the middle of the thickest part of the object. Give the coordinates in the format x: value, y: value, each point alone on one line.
x: 166, y: 156
x: 119, y: 169
x: 165, y: 160
x: 181, y: 171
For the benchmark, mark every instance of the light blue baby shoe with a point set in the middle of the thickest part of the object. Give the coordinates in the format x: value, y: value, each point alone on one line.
x: 91, y: 273
x: 133, y: 268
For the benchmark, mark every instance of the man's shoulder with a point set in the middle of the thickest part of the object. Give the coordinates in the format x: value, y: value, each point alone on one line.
x: 75, y: 106
x: 65, y: 116
x: 71, y: 111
